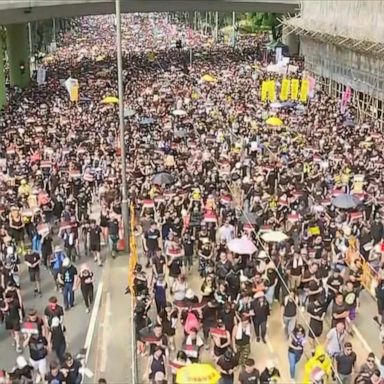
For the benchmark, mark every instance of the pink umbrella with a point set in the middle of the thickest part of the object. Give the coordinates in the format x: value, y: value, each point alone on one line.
x: 242, y: 246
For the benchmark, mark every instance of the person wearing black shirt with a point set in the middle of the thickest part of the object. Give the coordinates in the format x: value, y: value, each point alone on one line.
x: 32, y: 260
x: 68, y: 278
x: 269, y: 374
x: 188, y: 245
x: 113, y: 235
x: 261, y: 312
x: 345, y: 364
x: 295, y: 349
x: 151, y: 242
x: 339, y: 310
x: 86, y: 285
x: 175, y: 266
x: 334, y: 285
x: 46, y: 249
x: 56, y: 338
x: 55, y: 376
x: 227, y: 364
x: 53, y: 310
x: 158, y: 264
x: 316, y: 311
x: 22, y: 372
x: 249, y: 374
x: 95, y: 241
x: 71, y: 368
x: 38, y: 350
x: 12, y: 313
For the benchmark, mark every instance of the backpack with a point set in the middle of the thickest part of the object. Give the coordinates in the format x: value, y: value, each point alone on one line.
x: 191, y: 322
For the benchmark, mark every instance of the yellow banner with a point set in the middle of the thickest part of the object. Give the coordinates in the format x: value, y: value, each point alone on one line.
x: 294, y: 89
x: 264, y: 90
x: 74, y: 96
x: 272, y: 91
x: 304, y: 91
x: 284, y: 91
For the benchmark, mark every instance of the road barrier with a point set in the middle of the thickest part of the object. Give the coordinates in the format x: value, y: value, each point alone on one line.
x: 132, y: 263
x: 369, y: 277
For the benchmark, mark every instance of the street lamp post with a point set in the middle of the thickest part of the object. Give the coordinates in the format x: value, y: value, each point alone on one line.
x: 124, y: 203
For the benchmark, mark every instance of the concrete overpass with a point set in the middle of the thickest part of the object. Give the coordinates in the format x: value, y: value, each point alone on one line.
x: 20, y: 11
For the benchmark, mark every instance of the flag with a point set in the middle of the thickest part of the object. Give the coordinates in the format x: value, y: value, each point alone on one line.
x: 264, y: 90
x: 148, y: 203
x: 284, y: 90
x: 294, y: 89
x: 45, y: 164
x: 175, y: 365
x: 356, y: 216
x: 226, y: 199
x: 89, y: 177
x: 30, y: 328
x: 210, y: 217
x: 218, y: 332
x: 272, y: 91
x: 304, y: 91
x: 191, y: 350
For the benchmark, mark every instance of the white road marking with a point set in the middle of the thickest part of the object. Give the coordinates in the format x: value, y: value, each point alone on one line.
x: 92, y: 322
x: 104, y: 345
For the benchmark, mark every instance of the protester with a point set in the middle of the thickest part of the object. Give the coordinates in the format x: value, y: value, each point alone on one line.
x: 207, y: 174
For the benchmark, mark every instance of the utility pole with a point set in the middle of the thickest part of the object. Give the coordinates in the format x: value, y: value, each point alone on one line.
x: 216, y: 26
x: 124, y: 202
x: 234, y: 26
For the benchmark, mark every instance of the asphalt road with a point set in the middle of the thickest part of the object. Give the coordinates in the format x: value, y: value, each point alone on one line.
x: 76, y: 320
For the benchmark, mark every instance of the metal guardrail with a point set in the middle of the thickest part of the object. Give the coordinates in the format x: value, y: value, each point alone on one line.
x: 132, y: 263
x: 369, y: 277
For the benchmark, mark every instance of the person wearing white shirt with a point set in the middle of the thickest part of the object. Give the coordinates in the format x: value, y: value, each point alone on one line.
x: 335, y: 339
x: 226, y: 232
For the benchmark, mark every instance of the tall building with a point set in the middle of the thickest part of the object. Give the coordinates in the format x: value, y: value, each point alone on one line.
x: 343, y: 45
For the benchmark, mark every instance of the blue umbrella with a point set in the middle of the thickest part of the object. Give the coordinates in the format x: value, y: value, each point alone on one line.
x: 346, y: 201
x: 147, y: 121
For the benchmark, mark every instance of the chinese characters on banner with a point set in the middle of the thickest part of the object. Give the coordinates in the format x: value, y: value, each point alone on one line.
x: 293, y: 89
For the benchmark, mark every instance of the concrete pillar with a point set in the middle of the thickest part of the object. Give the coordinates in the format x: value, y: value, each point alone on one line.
x: 18, y: 55
x: 2, y: 77
x: 292, y: 40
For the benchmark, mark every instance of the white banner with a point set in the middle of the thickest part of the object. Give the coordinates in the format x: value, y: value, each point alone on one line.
x: 41, y: 76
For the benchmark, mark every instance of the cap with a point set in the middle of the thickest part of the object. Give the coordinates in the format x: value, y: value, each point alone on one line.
x: 21, y: 362
x: 66, y: 262
x: 55, y: 322
x: 189, y: 294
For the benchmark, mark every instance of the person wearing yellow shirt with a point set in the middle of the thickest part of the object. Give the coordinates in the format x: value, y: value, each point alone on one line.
x: 320, y: 360
x: 24, y: 189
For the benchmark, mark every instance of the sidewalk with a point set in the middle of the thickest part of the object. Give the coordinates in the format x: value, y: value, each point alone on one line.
x: 110, y: 356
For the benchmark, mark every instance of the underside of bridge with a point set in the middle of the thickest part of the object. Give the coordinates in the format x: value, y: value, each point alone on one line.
x: 24, y: 11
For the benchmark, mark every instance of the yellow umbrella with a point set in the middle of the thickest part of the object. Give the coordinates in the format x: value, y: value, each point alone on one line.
x: 209, y: 78
x: 100, y: 58
x: 197, y: 373
x: 110, y: 100
x: 275, y: 121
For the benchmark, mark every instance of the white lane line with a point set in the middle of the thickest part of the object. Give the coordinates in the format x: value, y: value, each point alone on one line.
x: 92, y: 322
x: 362, y: 340
x: 133, y: 343
x: 104, y: 345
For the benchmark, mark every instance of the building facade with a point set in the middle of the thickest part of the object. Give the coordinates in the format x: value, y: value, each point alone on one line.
x: 343, y: 46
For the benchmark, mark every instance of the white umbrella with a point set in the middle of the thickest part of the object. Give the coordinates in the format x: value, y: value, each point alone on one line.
x: 242, y: 246
x: 274, y: 236
x: 179, y: 112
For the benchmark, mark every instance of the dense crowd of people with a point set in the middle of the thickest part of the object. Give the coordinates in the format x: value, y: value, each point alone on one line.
x: 234, y: 214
